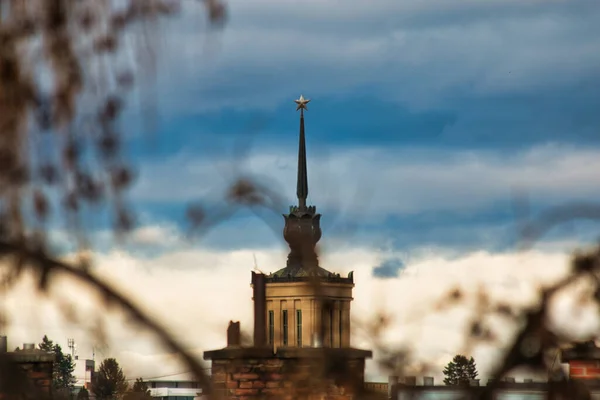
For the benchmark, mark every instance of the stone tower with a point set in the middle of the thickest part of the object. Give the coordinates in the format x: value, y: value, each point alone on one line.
x: 307, y: 306
x: 301, y: 346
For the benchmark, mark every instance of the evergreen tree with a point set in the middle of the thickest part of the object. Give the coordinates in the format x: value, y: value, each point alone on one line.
x: 83, y: 394
x: 109, y: 381
x: 47, y: 344
x: 460, y: 371
x: 139, y: 391
x: 63, y: 378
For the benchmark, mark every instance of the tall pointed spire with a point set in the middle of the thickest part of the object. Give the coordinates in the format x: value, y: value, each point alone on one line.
x: 302, y: 186
x: 302, y: 228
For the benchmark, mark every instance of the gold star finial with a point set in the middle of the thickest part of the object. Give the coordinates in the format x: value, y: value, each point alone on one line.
x: 302, y: 102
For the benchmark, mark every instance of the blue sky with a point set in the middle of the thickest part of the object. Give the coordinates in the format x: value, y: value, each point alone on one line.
x: 501, y: 93
x: 427, y: 121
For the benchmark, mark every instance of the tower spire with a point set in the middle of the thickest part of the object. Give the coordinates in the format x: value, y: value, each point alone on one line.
x: 302, y: 185
x: 302, y: 228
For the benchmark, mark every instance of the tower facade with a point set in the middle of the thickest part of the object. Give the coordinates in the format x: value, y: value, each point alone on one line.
x: 301, y: 346
x: 307, y: 306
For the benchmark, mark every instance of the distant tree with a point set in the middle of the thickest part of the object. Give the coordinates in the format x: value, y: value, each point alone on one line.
x: 460, y: 371
x: 47, y: 344
x: 63, y: 378
x: 139, y: 391
x: 83, y: 394
x: 109, y: 381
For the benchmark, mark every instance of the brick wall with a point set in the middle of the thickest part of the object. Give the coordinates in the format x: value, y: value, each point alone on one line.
x: 32, y: 375
x: 378, y: 387
x: 583, y: 360
x: 584, y: 369
x: 292, y: 374
x: 40, y: 374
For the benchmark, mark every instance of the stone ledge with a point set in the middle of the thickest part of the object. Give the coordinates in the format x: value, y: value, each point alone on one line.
x: 285, y: 353
x: 581, y: 354
x: 305, y: 279
x: 35, y: 356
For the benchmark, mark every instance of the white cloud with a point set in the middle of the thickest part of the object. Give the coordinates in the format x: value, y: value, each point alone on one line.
x: 391, y: 182
x: 153, y: 235
x: 196, y: 292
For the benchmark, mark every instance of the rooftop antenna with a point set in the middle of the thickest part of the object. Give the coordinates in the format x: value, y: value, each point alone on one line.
x: 256, y: 264
x: 71, y: 345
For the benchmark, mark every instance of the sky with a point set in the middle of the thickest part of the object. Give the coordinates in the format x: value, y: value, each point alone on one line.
x: 433, y: 129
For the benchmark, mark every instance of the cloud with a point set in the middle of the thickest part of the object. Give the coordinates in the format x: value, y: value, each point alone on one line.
x: 149, y: 235
x: 496, y: 81
x: 398, y: 182
x: 464, y: 199
x: 195, y: 292
x: 422, y: 56
x: 389, y: 268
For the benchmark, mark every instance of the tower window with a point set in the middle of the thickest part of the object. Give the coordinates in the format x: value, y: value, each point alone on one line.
x: 326, y: 326
x: 331, y: 327
x: 299, y: 327
x: 341, y: 326
x: 271, y: 326
x: 285, y: 327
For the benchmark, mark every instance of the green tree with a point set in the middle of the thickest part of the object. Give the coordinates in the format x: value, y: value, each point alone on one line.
x: 83, y: 394
x: 109, y: 381
x: 63, y: 378
x: 460, y: 371
x: 47, y: 344
x: 139, y: 391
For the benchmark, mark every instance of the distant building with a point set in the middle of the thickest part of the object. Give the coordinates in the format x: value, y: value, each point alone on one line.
x: 583, y: 360
x: 37, y: 365
x: 507, y: 389
x: 174, y: 390
x: 84, y: 372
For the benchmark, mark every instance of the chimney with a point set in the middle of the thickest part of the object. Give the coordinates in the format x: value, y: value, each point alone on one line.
x: 28, y: 346
x: 3, y: 344
x: 393, y: 387
x: 428, y: 381
x: 528, y: 380
x: 474, y: 382
x: 233, y: 334
x: 260, y: 309
x: 509, y: 379
x: 410, y: 380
